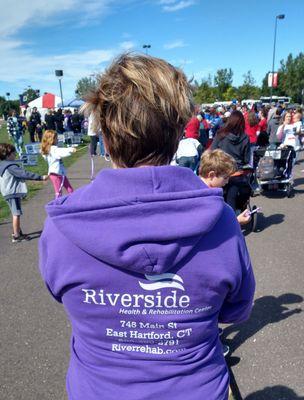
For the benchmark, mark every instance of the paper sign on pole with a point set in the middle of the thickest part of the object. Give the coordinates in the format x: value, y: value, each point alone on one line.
x: 273, y: 79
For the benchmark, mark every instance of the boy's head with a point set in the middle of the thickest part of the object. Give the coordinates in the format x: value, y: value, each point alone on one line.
x: 216, y: 167
x: 7, y: 151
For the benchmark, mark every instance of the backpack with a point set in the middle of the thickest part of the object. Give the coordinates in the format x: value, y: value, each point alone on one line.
x: 266, y: 168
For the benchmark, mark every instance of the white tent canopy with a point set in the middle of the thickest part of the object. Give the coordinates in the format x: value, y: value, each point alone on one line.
x: 43, y: 103
x: 48, y: 100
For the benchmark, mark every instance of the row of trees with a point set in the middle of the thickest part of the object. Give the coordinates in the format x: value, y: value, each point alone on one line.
x: 220, y: 88
x: 291, y: 78
x: 7, y: 105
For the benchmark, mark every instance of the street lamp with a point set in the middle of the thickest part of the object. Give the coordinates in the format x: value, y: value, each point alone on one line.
x: 146, y: 46
x: 281, y: 16
x: 59, y: 74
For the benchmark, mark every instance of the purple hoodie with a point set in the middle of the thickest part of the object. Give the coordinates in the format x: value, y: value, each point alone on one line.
x: 146, y: 262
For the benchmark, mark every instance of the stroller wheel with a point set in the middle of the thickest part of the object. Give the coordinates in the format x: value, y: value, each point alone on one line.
x: 254, y: 220
x: 289, y: 190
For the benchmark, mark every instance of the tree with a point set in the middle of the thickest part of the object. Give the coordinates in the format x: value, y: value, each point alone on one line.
x: 292, y: 76
x: 231, y: 94
x: 84, y: 86
x: 204, y: 93
x: 290, y: 79
x: 7, y: 105
x: 30, y: 94
x: 223, y: 80
x: 248, y: 90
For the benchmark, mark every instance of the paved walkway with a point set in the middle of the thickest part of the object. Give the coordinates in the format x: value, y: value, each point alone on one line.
x: 267, y: 360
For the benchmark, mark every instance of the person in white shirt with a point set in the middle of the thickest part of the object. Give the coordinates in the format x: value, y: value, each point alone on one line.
x: 53, y: 155
x: 188, y: 154
x: 95, y: 138
x: 298, y: 124
x: 287, y: 133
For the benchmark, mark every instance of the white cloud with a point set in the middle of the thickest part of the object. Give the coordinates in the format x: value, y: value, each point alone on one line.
x: 15, y: 14
x: 174, y: 45
x: 177, y: 5
x: 20, y: 67
x: 202, y: 74
x: 127, y: 45
x: 167, y: 1
x: 181, y: 63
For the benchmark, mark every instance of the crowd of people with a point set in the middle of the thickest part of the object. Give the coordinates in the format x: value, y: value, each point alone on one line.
x: 58, y: 120
x: 239, y: 131
x: 276, y: 124
x: 153, y: 238
x: 236, y: 129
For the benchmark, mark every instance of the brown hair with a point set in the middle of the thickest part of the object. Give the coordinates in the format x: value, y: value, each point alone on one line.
x: 235, y: 124
x: 49, y: 138
x: 141, y: 104
x: 218, y: 161
x: 252, y: 119
x: 283, y: 118
x: 6, y: 149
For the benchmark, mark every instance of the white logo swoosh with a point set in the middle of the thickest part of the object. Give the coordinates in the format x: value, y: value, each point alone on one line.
x: 162, y: 281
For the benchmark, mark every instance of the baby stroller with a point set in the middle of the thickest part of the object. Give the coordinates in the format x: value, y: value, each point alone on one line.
x: 274, y: 169
x: 244, y: 193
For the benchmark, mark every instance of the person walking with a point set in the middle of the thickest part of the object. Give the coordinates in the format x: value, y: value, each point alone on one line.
x: 13, y: 188
x: 273, y: 126
x: 54, y: 155
x: 34, y: 123
x: 146, y: 259
x: 232, y: 139
x: 59, y: 119
x: 50, y: 120
x: 15, y: 131
x: 76, y: 120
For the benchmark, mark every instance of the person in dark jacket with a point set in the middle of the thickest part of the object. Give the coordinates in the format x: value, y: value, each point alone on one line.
x: 59, y: 118
x: 34, y: 123
x: 13, y: 187
x: 76, y: 120
x: 273, y: 126
x: 50, y: 120
x: 232, y: 139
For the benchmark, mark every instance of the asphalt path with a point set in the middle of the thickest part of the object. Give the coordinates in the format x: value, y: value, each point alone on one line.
x: 267, y: 351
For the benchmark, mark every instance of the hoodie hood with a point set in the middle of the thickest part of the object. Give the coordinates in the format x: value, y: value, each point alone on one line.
x: 144, y: 220
x: 7, y: 163
x: 236, y: 139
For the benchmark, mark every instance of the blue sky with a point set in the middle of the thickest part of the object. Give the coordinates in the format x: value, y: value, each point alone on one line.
x: 82, y: 37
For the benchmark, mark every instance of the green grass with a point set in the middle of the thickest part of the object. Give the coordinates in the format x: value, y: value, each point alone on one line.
x: 41, y: 169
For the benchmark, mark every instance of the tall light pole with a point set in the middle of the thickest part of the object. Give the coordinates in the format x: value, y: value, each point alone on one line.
x: 146, y: 46
x: 281, y: 16
x: 59, y: 74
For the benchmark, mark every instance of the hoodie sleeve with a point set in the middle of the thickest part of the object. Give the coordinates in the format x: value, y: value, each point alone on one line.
x: 239, y: 301
x: 20, y: 173
x: 246, y: 154
x: 215, y: 143
x: 46, y: 257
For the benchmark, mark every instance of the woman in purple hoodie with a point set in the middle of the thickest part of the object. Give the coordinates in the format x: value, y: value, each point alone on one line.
x: 147, y: 260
